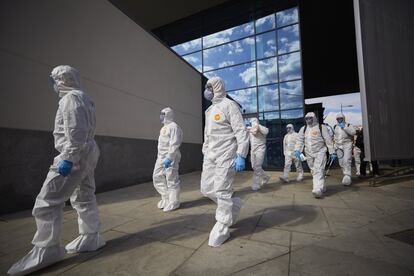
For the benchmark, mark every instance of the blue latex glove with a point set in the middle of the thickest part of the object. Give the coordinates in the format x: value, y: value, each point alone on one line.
x: 64, y: 167
x: 334, y: 156
x: 240, y: 163
x: 296, y: 153
x: 167, y: 163
x: 342, y: 125
x: 248, y: 124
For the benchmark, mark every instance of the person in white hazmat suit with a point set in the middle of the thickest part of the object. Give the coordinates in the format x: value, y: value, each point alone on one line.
x: 258, y: 135
x: 70, y: 176
x: 289, y: 142
x: 357, y: 156
x: 314, y: 138
x: 357, y: 151
x: 225, y: 147
x: 165, y: 176
x: 343, y: 139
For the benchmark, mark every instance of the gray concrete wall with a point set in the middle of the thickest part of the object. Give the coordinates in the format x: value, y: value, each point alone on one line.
x: 130, y: 75
x: 25, y: 156
x: 385, y: 39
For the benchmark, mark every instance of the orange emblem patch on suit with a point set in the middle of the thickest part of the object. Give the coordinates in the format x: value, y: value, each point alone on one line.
x: 217, y: 117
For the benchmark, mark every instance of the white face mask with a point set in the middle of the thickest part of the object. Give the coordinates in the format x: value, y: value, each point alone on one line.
x: 162, y: 118
x: 208, y: 94
x: 309, y: 120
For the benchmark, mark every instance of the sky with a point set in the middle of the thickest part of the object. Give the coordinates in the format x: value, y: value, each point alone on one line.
x: 332, y: 106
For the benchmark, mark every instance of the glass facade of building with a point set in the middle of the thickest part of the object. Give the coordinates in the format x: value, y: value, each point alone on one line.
x: 260, y: 62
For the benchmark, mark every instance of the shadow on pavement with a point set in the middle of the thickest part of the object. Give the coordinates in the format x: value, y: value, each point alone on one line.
x: 182, y: 228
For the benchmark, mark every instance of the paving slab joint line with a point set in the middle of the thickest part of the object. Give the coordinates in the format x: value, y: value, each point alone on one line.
x: 300, y: 232
x: 327, y: 221
x: 259, y: 263
x: 374, y: 258
x: 189, y: 257
x: 352, y: 208
x: 125, y: 222
x: 377, y: 238
x: 83, y: 261
x: 152, y: 239
x: 117, y: 231
x: 400, y: 211
x: 257, y: 223
x: 195, y: 228
x: 121, y: 216
x: 268, y: 243
x: 179, y: 245
x: 373, y: 221
x: 346, y: 203
x: 384, y: 243
x: 93, y: 255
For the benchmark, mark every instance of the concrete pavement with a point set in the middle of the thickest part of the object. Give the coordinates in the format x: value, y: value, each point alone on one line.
x: 282, y: 230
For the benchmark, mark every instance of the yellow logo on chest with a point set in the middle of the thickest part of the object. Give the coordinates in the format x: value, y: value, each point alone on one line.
x: 217, y: 117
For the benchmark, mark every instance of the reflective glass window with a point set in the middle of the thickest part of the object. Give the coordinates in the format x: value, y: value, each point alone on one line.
x: 268, y: 97
x: 187, y: 47
x: 291, y: 95
x: 287, y: 17
x: 229, y: 54
x: 194, y: 59
x: 267, y: 71
x: 265, y: 23
x: 247, y: 98
x: 236, y: 77
x: 266, y: 45
x: 228, y: 35
x: 295, y: 117
x: 289, y: 67
x: 288, y: 39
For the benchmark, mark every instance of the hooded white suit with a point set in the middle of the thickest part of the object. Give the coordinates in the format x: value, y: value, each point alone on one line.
x: 258, y: 135
x: 74, y: 140
x: 343, y: 139
x: 225, y: 137
x: 315, y: 144
x: 289, y: 142
x: 167, y: 181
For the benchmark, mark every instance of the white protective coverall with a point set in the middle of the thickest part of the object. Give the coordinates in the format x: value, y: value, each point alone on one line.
x: 344, y: 139
x: 289, y: 142
x: 258, y: 135
x: 225, y: 137
x: 316, y: 144
x: 166, y: 180
x: 357, y: 157
x: 74, y: 140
